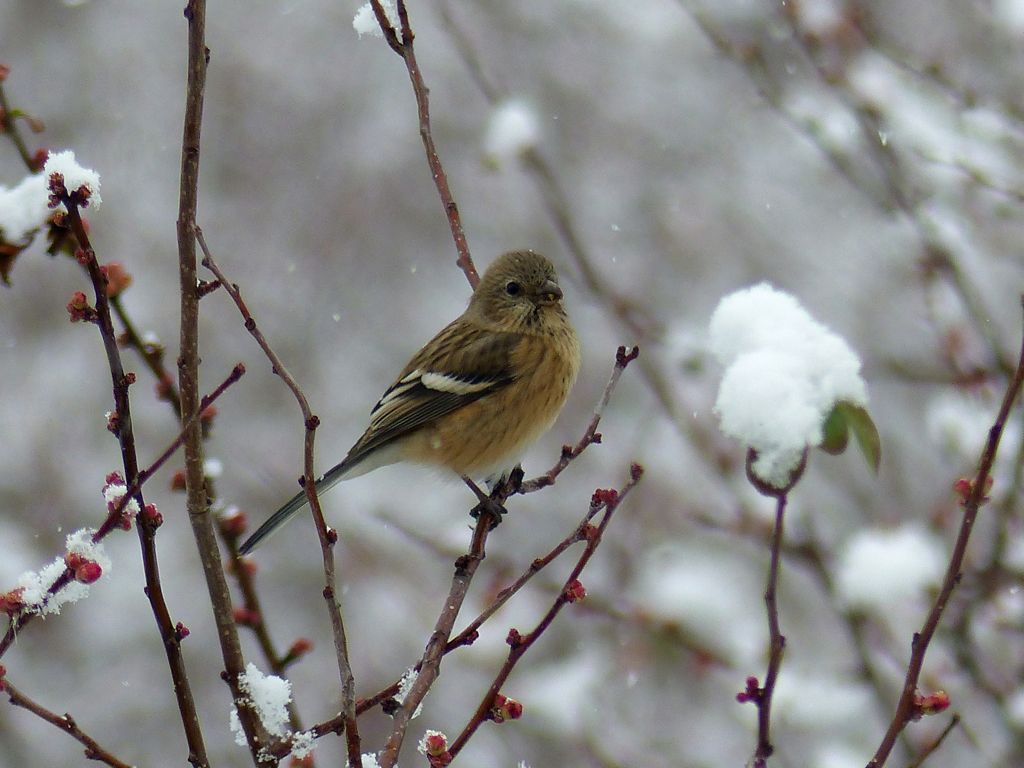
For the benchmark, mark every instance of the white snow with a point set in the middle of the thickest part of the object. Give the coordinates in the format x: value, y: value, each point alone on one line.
x: 114, y: 492
x: 80, y: 543
x: 405, y: 685
x: 877, y: 568
x: 513, y: 128
x: 75, y: 176
x: 365, y: 22
x: 302, y: 745
x: 270, y: 695
x: 785, y: 372
x: 25, y: 208
x: 35, y: 586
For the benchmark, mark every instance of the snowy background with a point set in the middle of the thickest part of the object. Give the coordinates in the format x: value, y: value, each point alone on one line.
x: 866, y: 157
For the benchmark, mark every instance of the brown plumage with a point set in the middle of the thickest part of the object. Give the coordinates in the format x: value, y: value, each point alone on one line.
x: 479, y: 393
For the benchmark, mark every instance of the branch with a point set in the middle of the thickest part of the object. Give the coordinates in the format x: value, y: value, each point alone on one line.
x: 404, y: 48
x: 591, y: 435
x: 907, y: 707
x: 152, y: 355
x: 582, y: 533
x: 610, y: 501
x: 327, y: 536
x: 197, y: 501
x: 776, y: 643
x: 9, y: 125
x: 437, y: 646
x: 126, y: 438
x: 236, y: 373
x: 66, y: 723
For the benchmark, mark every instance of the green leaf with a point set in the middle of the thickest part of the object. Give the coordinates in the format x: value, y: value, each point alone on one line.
x: 845, y: 417
x: 837, y: 432
x: 866, y: 432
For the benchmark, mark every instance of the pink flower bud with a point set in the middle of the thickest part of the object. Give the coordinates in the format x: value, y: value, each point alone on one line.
x: 575, y: 591
x: 88, y: 572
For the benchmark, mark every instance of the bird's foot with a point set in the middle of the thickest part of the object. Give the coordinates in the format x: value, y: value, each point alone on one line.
x: 490, y: 507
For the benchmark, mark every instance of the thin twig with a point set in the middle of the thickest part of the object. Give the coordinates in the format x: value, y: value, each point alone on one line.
x: 520, y: 644
x: 761, y: 696
x: 8, y: 123
x: 429, y: 665
x: 197, y: 501
x: 469, y: 634
x: 93, y: 751
x: 152, y: 355
x: 236, y: 373
x: 776, y: 642
x: 954, y: 721
x: 327, y: 536
x: 905, y: 709
x: 404, y: 48
x: 591, y: 435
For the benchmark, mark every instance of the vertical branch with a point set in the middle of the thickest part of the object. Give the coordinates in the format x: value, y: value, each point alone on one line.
x: 10, y: 127
x: 909, y: 703
x: 404, y: 48
x: 126, y: 438
x: 762, y: 696
x: 327, y: 536
x: 430, y: 665
x: 520, y: 644
x: 776, y: 642
x: 188, y: 380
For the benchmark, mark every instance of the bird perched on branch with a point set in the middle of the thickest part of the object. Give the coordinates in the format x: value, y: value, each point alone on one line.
x: 480, y: 393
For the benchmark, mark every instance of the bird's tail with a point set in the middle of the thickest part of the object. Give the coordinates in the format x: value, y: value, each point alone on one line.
x: 292, y: 508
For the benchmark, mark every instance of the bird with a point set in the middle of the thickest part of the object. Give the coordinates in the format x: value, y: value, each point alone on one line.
x: 478, y: 394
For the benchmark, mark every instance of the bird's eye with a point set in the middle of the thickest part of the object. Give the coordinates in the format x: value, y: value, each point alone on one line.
x: 513, y: 288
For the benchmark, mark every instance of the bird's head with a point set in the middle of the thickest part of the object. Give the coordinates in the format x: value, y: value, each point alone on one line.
x: 519, y: 288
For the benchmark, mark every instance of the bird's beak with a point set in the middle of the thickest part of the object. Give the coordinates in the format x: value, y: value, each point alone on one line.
x: 550, y: 293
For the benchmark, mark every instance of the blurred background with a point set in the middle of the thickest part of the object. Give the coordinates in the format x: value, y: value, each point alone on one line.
x: 866, y: 157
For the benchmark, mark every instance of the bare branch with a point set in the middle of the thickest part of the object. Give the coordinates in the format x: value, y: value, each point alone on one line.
x: 905, y: 709
x: 66, y: 723
x: 591, y: 435
x: 328, y: 537
x: 9, y: 126
x: 437, y: 646
x: 188, y: 381
x: 404, y: 48
x: 610, y: 501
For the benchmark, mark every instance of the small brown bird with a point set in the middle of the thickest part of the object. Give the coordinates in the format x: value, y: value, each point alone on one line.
x: 480, y: 393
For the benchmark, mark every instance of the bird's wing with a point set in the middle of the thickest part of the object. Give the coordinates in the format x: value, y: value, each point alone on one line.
x: 460, y: 366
